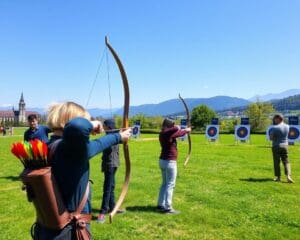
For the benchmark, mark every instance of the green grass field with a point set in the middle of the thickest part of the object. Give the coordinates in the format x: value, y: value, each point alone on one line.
x: 226, y: 192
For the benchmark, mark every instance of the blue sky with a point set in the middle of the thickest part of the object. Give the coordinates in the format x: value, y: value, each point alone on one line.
x: 51, y: 50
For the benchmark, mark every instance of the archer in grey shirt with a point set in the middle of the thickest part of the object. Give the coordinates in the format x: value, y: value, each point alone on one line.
x: 279, y: 135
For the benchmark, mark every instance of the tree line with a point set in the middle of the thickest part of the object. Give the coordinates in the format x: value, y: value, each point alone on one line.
x: 259, y: 113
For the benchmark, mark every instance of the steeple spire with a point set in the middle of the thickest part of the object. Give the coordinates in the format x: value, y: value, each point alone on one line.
x: 22, y: 111
x: 22, y: 98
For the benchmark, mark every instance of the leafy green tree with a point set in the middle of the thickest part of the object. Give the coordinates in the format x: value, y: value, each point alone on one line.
x: 227, y: 125
x: 147, y: 122
x: 152, y: 123
x: 118, y: 120
x: 201, y: 116
x: 259, y: 115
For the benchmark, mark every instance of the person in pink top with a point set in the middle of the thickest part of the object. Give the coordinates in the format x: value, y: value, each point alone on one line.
x: 168, y: 164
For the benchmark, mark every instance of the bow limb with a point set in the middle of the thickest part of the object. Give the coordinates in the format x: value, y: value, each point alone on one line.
x: 125, y: 125
x: 189, y: 124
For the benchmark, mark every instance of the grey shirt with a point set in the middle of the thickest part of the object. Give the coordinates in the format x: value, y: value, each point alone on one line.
x: 279, y: 134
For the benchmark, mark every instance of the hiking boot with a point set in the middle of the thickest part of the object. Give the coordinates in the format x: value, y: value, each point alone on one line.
x: 276, y: 179
x: 171, y: 211
x: 101, y: 218
x: 289, y: 179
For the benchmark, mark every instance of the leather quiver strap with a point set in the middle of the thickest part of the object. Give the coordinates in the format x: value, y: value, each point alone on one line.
x: 42, y: 190
x: 81, y: 219
x: 83, y: 201
x: 81, y: 231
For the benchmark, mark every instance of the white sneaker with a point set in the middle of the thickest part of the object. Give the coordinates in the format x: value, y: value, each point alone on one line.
x: 276, y: 179
x: 171, y: 211
x: 289, y: 179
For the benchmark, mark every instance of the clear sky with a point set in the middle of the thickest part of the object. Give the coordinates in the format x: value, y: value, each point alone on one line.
x: 50, y: 50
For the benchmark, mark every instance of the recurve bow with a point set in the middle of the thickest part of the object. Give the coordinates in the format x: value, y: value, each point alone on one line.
x: 125, y: 125
x: 189, y: 124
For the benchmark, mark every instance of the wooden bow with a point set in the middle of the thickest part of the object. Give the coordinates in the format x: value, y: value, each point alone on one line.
x: 125, y: 125
x: 189, y: 124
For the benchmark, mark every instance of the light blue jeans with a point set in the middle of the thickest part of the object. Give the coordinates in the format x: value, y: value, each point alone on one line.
x: 169, y: 172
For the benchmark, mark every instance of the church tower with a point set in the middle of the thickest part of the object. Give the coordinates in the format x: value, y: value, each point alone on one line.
x: 22, y: 112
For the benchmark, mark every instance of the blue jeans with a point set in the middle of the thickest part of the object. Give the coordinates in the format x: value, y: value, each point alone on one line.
x: 108, y: 199
x: 168, y: 172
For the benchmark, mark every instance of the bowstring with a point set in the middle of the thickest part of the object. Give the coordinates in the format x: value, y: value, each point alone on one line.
x: 108, y: 83
x: 95, y: 78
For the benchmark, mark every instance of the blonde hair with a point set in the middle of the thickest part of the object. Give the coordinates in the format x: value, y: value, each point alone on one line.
x: 59, y: 114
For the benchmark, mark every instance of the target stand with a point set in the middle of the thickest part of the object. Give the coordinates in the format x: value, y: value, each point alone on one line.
x: 242, y: 134
x: 212, y: 133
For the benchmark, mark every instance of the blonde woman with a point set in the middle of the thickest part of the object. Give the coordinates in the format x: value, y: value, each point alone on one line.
x: 71, y: 124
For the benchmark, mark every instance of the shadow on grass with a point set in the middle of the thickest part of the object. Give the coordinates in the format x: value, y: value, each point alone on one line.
x: 12, y: 178
x: 148, y: 208
x: 256, y: 179
x: 129, y: 209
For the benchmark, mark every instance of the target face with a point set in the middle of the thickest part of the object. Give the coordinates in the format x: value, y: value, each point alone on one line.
x: 242, y: 132
x: 212, y: 131
x: 293, y: 133
x: 135, y: 130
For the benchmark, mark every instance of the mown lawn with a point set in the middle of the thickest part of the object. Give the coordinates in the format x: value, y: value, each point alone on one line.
x: 225, y: 192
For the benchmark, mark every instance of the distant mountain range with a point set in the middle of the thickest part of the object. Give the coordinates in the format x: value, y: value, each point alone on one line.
x: 273, y: 96
x: 289, y: 103
x: 280, y: 105
x: 170, y: 107
x: 175, y: 107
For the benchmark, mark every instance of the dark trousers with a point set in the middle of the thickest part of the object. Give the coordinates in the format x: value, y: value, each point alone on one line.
x: 281, y: 153
x: 108, y: 199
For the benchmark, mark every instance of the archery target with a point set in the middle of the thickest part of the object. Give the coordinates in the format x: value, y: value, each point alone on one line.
x: 212, y: 132
x: 136, y: 130
x: 294, y: 133
x: 268, y: 132
x: 242, y: 132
